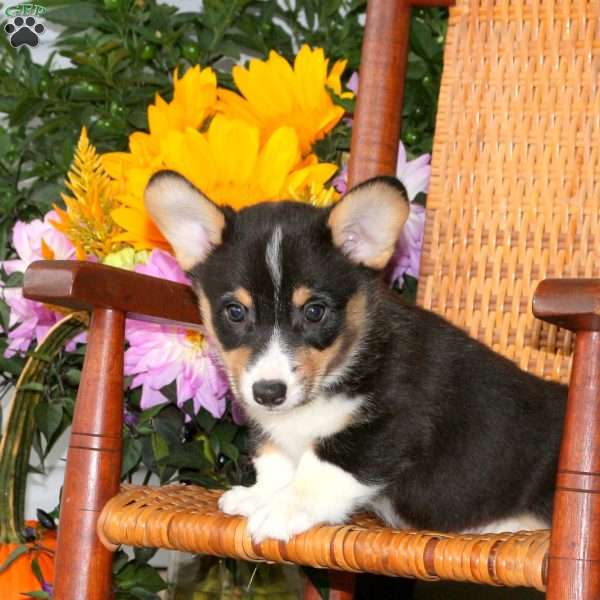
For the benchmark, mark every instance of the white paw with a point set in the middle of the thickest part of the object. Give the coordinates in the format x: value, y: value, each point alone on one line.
x: 284, y: 516
x: 244, y: 501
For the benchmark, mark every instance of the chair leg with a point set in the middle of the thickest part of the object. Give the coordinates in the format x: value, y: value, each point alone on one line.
x: 341, y: 587
x: 83, y: 565
x: 574, y: 558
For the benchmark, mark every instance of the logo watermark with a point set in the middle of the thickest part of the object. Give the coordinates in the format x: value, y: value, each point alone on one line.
x: 24, y: 28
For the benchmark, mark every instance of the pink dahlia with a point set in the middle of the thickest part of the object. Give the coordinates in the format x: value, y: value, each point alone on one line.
x: 31, y: 320
x: 27, y: 240
x: 160, y: 354
x: 414, y: 174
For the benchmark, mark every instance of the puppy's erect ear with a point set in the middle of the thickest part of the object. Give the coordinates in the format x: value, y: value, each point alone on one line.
x: 192, y: 224
x: 367, y: 221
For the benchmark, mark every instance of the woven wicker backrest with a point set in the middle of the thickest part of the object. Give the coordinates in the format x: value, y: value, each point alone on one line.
x: 515, y: 187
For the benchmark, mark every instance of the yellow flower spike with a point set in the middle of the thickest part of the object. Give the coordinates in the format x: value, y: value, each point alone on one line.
x: 273, y: 95
x: 86, y: 220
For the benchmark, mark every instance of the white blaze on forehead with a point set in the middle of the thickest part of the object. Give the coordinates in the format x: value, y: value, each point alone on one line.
x: 273, y: 259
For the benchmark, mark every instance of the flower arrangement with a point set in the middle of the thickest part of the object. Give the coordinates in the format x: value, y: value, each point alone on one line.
x: 277, y: 128
x: 240, y: 147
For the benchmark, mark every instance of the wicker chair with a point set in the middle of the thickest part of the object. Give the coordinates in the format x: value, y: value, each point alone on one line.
x: 514, y: 199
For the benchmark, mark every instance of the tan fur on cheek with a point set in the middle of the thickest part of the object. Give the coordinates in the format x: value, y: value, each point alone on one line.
x: 313, y: 364
x: 236, y: 362
x: 206, y: 313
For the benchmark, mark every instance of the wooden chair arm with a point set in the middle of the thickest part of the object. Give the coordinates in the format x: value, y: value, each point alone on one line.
x: 573, y: 304
x: 83, y: 285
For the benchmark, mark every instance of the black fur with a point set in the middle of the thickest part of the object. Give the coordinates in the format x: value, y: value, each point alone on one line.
x: 458, y: 435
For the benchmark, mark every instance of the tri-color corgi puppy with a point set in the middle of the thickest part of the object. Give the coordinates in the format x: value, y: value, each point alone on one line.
x: 356, y: 400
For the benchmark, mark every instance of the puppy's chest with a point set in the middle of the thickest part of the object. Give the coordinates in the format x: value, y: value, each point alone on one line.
x: 297, y: 430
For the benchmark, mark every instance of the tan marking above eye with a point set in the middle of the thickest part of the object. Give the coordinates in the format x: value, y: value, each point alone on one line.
x: 242, y: 295
x: 301, y: 296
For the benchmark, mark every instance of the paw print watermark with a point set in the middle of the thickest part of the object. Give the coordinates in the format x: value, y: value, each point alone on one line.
x: 24, y: 28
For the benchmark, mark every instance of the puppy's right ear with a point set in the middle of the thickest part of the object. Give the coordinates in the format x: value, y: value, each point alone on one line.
x: 190, y: 222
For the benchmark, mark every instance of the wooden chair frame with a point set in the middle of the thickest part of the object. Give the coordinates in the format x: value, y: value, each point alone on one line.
x: 95, y: 448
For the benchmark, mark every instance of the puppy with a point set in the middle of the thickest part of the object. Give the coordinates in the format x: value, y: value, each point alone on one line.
x: 355, y: 399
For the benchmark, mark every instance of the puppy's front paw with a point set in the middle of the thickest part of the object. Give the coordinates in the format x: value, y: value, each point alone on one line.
x: 240, y: 500
x: 284, y: 516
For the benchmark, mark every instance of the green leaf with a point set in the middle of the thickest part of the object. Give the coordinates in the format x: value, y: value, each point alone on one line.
x: 18, y: 551
x: 4, y: 315
x: 225, y: 431
x: 170, y: 392
x: 133, y: 575
x: 78, y: 15
x: 73, y: 377
x: 119, y: 561
x: 13, y: 365
x: 37, y: 594
x: 132, y: 454
x: 35, y: 567
x: 32, y: 386
x: 144, y: 555
x: 27, y: 108
x: 160, y: 449
x: 230, y: 451
x: 150, y: 413
x: 4, y: 142
x: 48, y: 418
x: 205, y: 420
x: 184, y: 455
x: 422, y: 40
x: 14, y: 280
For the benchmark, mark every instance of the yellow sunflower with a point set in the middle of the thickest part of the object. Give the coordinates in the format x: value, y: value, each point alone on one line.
x: 273, y: 94
x: 194, y: 99
x: 228, y: 163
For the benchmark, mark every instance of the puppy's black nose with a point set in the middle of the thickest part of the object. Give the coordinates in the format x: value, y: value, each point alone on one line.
x: 269, y: 392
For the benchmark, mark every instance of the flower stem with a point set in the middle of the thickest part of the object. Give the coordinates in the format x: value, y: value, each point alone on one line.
x: 16, y: 443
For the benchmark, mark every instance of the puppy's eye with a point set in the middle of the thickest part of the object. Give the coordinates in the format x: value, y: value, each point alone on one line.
x: 235, y: 312
x: 314, y: 312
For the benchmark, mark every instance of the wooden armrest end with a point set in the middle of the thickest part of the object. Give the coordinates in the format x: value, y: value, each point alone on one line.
x: 81, y: 285
x: 570, y: 303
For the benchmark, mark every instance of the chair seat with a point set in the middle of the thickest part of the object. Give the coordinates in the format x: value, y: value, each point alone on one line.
x: 187, y: 518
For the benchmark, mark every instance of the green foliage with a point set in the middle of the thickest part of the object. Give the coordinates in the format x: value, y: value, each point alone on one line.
x: 135, y: 579
x: 427, y: 35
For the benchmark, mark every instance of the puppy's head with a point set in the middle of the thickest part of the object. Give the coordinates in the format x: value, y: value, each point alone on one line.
x: 284, y: 287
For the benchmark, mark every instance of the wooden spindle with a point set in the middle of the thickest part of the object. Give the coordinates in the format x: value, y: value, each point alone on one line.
x: 574, y: 558
x: 83, y: 566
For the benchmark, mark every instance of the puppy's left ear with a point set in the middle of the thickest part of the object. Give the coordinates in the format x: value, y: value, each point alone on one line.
x: 192, y: 223
x: 367, y: 221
